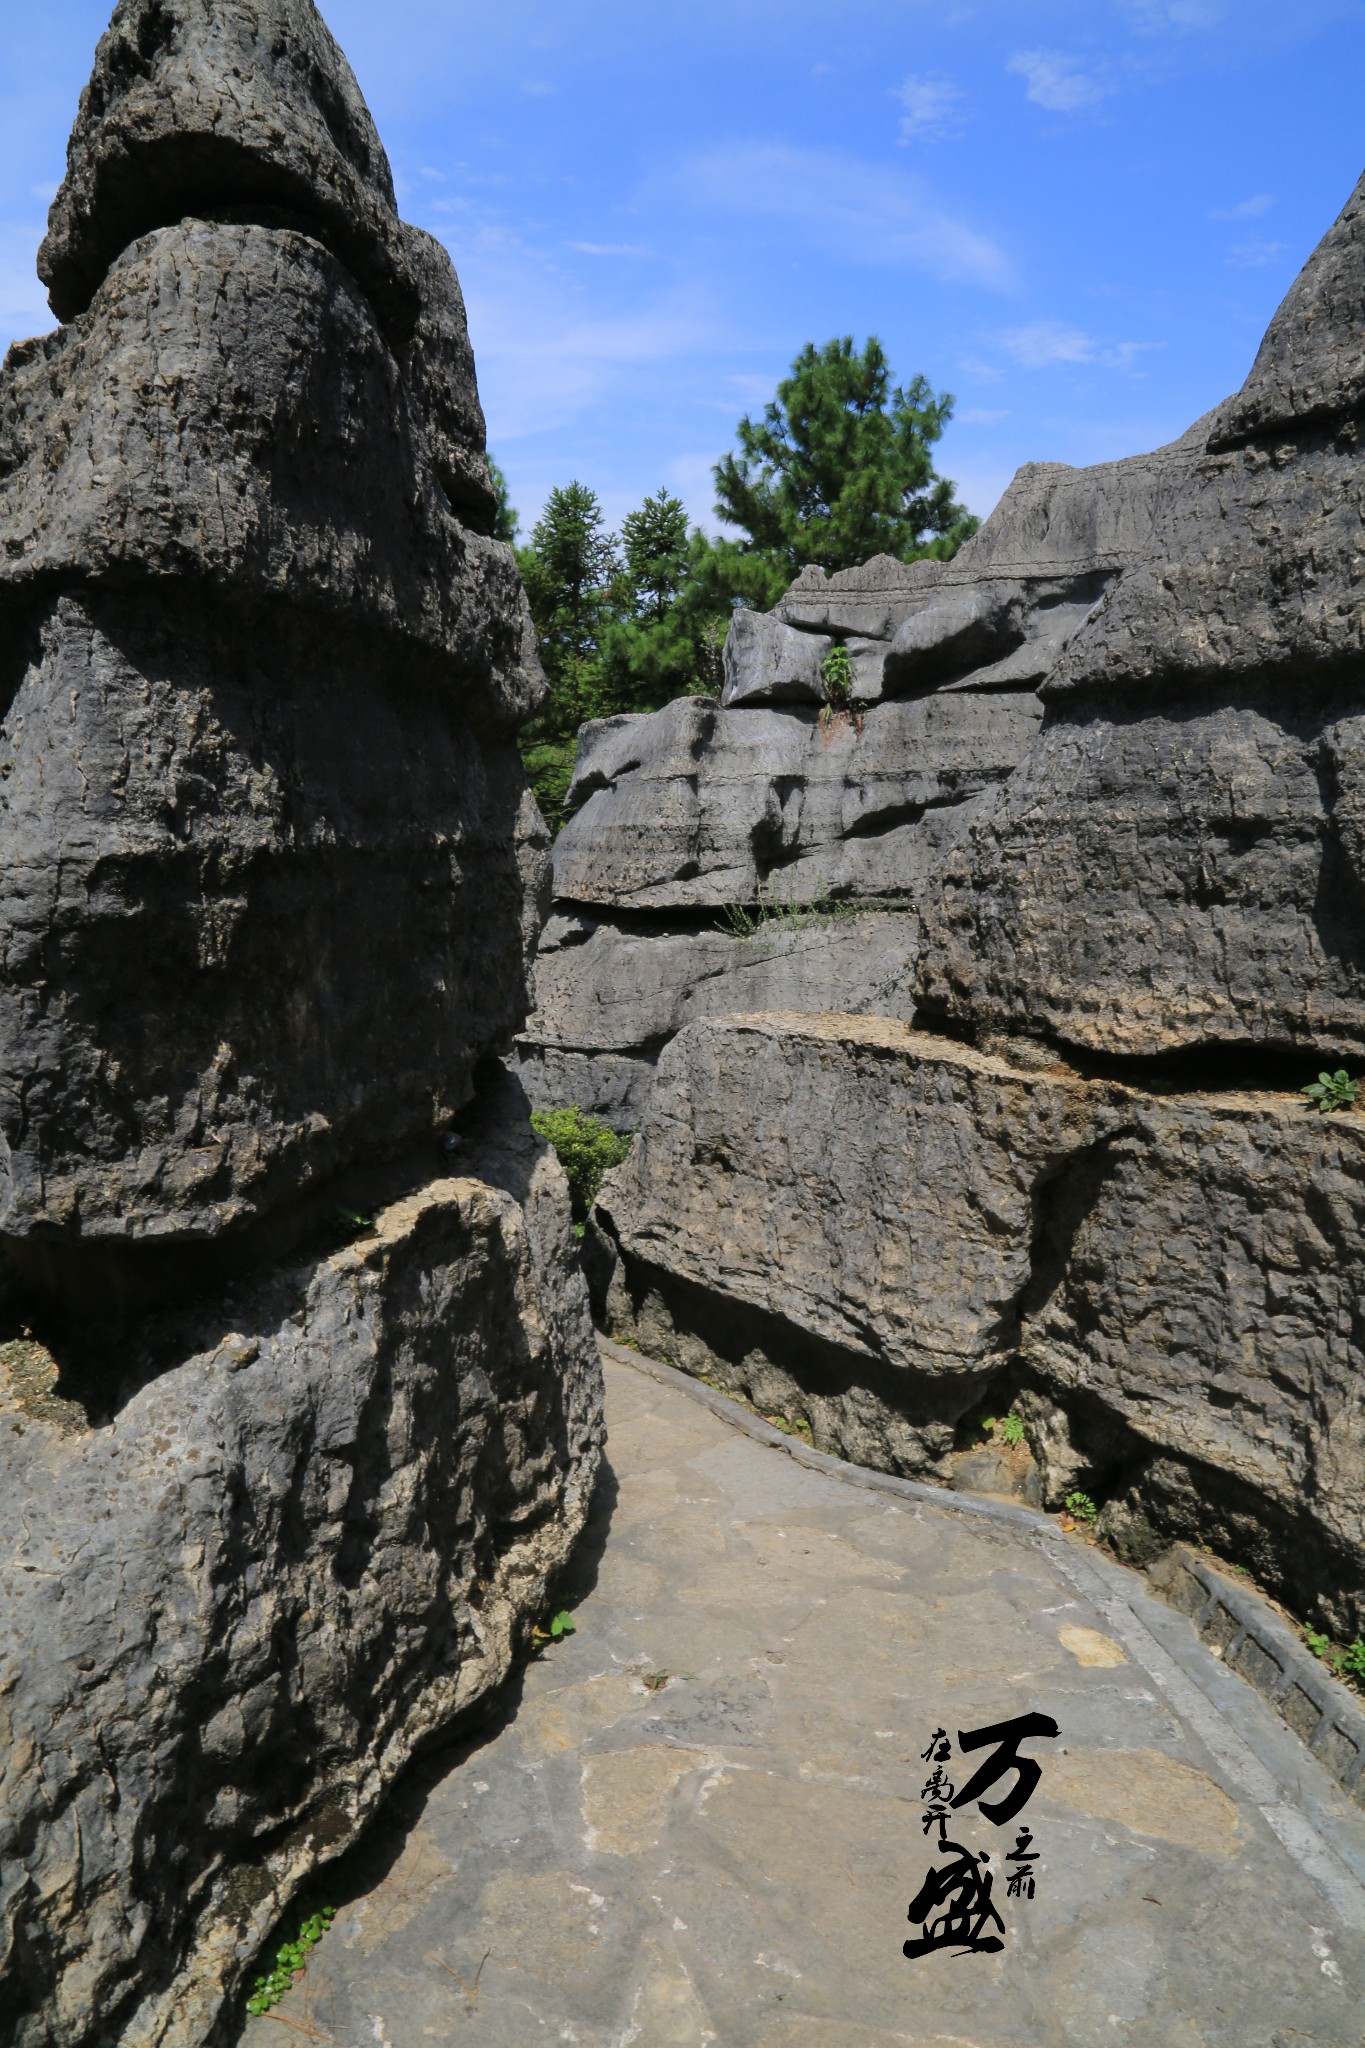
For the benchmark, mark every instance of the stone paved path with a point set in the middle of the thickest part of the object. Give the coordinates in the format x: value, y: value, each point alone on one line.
x: 727, y: 1855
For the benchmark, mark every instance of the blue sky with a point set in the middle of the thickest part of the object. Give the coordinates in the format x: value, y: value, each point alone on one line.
x: 1076, y: 215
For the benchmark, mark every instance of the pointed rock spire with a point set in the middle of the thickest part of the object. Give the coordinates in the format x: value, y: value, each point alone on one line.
x: 1311, y: 364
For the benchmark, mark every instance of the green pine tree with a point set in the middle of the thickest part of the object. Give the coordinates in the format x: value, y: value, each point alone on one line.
x: 837, y: 470
x: 568, y: 570
x: 656, y: 646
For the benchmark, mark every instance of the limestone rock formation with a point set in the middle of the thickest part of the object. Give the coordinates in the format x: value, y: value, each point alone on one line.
x: 878, y: 1230
x: 1095, y: 1189
x: 299, y: 1401
x: 1179, y: 860
x: 693, y: 817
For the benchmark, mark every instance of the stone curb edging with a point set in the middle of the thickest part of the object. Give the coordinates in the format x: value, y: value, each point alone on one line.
x: 1251, y: 1639
x: 1285, y: 1774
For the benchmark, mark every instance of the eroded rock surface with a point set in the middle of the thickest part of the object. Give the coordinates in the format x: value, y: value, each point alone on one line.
x: 324, y: 1418
x: 1178, y: 860
x: 749, y: 858
x: 876, y: 1229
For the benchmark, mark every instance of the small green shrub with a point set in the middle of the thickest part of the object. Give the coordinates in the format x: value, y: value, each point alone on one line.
x: 1347, y: 1661
x: 561, y: 1624
x: 586, y: 1149
x: 1010, y: 1428
x: 290, y: 1960
x: 1082, y: 1509
x: 837, y: 673
x: 1331, y: 1091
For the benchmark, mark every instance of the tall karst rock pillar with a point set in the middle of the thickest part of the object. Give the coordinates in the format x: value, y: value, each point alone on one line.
x: 299, y: 1404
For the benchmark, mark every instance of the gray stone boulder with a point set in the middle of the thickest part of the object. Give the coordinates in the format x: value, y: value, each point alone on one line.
x: 300, y: 1403
x: 610, y: 996
x: 210, y: 109
x: 768, y: 662
x: 877, y: 1231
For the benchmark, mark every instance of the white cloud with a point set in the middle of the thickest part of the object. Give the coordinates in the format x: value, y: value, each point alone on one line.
x: 1245, y: 209
x: 855, y: 211
x: 545, y: 356
x: 611, y: 249
x: 1056, y: 82
x: 538, y: 88
x: 1251, y: 255
x: 1047, y: 341
x: 931, y: 107
x: 975, y: 366
x: 981, y: 416
x: 1044, y: 342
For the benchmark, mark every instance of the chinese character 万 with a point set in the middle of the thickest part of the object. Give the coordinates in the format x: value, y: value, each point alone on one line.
x: 1007, y: 1735
x: 953, y: 1906
x: 1020, y: 1885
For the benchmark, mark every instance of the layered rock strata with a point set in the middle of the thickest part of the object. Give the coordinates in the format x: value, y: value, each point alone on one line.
x: 878, y: 1231
x: 300, y: 1406
x: 730, y: 859
x: 1129, y: 1222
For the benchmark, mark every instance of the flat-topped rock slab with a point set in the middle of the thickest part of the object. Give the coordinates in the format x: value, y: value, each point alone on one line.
x: 700, y: 1818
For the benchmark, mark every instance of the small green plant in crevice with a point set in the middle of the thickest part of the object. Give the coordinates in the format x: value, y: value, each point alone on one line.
x: 799, y: 1428
x: 771, y: 913
x: 1331, y: 1091
x: 836, y: 672
x: 586, y: 1149
x: 1009, y: 1428
x: 1082, y: 1509
x: 290, y: 1960
x: 352, y: 1224
x: 561, y: 1625
x: 1345, y: 1660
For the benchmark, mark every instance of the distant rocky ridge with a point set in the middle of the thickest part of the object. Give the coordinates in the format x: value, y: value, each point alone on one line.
x: 1138, y: 914
x: 300, y: 1406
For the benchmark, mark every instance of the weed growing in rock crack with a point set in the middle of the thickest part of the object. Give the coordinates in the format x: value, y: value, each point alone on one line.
x: 1082, y: 1509
x: 290, y: 1960
x: 1331, y: 1091
x: 1346, y: 1661
x: 792, y: 913
x: 799, y: 1428
x: 353, y: 1224
x: 1008, y: 1429
x: 586, y: 1150
x: 561, y: 1624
